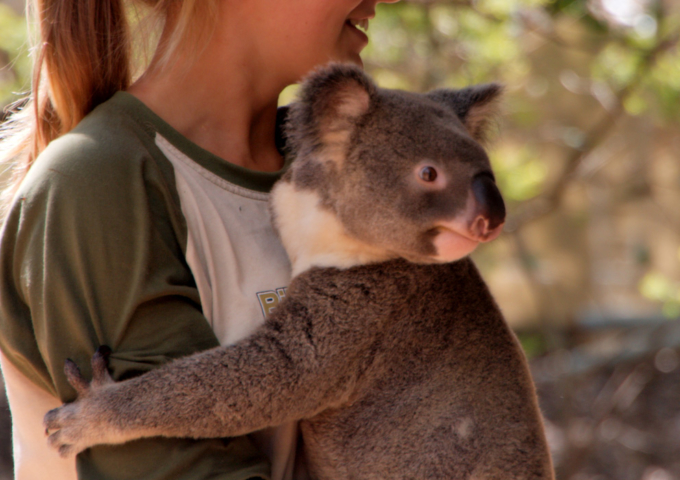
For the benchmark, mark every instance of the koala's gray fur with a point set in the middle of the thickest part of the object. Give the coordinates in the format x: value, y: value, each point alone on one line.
x: 395, y: 369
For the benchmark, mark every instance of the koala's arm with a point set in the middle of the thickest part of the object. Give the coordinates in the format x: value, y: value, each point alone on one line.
x: 291, y: 368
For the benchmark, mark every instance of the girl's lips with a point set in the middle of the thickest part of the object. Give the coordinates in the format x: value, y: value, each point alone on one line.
x: 359, y: 33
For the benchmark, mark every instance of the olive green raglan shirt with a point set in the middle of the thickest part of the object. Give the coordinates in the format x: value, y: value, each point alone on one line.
x: 92, y: 253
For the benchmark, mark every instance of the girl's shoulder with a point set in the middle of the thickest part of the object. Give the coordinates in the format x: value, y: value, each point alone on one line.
x: 111, y: 147
x: 108, y: 158
x: 107, y: 171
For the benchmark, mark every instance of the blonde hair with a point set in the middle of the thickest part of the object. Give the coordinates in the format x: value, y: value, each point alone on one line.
x: 84, y: 53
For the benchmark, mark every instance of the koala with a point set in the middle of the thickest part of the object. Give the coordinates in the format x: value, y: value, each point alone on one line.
x: 388, y: 348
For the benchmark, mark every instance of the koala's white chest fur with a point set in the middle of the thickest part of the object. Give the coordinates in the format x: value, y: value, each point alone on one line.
x: 313, y: 236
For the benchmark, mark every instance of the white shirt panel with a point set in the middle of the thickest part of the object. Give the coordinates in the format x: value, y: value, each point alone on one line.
x: 240, y: 267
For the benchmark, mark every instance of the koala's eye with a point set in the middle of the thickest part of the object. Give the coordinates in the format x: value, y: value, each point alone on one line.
x: 428, y: 174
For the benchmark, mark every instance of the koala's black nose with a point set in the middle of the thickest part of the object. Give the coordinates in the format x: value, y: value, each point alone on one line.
x: 490, y: 202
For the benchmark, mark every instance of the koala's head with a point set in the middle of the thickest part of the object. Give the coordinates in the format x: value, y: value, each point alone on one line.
x: 402, y: 172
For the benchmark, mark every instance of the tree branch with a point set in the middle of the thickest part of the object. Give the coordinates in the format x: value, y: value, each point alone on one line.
x: 550, y: 201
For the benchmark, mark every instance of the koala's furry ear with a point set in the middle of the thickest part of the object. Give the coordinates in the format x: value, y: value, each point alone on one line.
x: 476, y: 106
x: 330, y: 101
x: 337, y: 91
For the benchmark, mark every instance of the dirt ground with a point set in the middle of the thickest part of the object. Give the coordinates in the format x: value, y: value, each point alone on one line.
x: 611, y: 406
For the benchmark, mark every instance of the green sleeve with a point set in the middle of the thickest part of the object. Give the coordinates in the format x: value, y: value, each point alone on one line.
x: 92, y: 253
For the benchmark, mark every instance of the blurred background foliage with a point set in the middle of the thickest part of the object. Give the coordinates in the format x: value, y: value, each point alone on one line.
x: 15, y: 65
x: 588, y: 158
x: 587, y: 155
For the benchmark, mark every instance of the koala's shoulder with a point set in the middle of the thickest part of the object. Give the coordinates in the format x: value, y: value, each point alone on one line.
x: 372, y: 280
x: 361, y: 285
x: 380, y: 289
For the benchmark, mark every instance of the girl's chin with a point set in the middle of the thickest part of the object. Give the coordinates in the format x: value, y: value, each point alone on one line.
x: 353, y: 41
x: 355, y: 58
x: 348, y: 56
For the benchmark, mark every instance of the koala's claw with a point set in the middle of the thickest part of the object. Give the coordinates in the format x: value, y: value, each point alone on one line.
x: 69, y: 428
x: 49, y: 421
x: 65, y: 451
x: 100, y: 372
x: 100, y: 364
x: 62, y: 430
x: 75, y: 378
x: 55, y: 441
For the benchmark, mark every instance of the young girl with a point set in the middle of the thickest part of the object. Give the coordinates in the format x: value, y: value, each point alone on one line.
x: 138, y: 216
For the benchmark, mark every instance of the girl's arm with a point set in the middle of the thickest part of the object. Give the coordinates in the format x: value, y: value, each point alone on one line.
x: 92, y: 253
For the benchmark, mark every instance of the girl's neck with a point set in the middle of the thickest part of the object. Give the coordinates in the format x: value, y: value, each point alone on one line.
x: 233, y: 112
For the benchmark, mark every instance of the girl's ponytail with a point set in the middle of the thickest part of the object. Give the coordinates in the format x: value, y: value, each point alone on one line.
x: 83, y: 59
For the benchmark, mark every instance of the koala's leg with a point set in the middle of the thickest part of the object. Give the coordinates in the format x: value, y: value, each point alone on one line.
x: 284, y: 372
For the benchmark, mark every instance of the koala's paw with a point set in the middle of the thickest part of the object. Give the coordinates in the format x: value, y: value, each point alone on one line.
x: 74, y: 427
